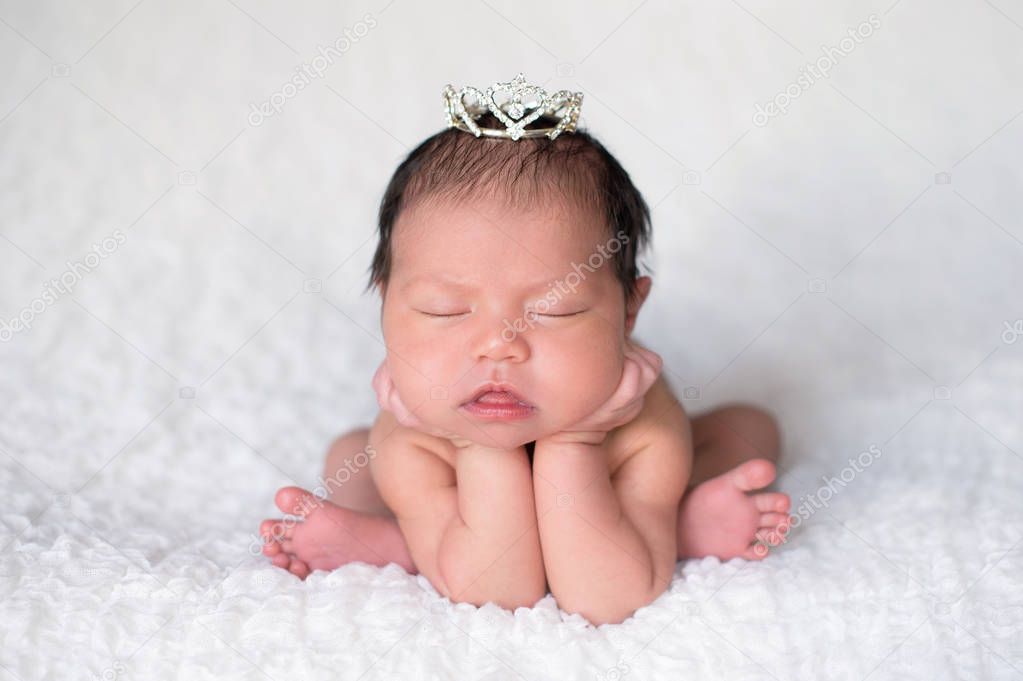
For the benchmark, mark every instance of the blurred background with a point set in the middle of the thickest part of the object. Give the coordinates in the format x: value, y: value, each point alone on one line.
x: 188, y: 196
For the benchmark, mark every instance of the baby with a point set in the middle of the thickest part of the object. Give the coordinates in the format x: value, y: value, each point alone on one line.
x: 527, y: 442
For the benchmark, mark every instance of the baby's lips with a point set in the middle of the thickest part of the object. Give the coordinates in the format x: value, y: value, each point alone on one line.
x: 496, y: 386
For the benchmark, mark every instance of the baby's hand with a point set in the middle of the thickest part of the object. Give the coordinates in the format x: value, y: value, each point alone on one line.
x: 642, y: 367
x: 389, y: 400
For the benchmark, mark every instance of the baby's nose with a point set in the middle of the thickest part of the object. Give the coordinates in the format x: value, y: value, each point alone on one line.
x: 504, y: 340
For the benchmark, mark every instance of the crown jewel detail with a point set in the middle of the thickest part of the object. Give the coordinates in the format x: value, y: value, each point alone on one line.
x: 515, y: 103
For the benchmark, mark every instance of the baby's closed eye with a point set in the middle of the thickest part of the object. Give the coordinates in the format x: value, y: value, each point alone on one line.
x: 529, y: 313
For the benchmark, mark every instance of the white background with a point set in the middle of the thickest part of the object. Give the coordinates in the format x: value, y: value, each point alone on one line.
x: 821, y: 266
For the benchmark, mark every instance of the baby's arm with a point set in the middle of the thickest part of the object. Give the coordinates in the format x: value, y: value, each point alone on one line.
x: 471, y: 528
x: 610, y: 547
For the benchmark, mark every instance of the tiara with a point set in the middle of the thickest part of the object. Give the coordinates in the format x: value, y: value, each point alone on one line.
x: 521, y: 104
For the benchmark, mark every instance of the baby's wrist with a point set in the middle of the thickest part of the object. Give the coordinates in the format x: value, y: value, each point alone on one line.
x: 492, y: 458
x: 488, y: 449
x: 569, y: 466
x: 581, y: 437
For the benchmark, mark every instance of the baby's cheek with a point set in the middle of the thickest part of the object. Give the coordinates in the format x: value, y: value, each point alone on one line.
x: 418, y: 380
x: 584, y: 381
x: 594, y: 390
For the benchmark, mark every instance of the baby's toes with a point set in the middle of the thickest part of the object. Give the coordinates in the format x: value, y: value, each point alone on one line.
x: 771, y: 501
x: 273, y: 533
x: 277, y: 528
x: 270, y: 545
x: 774, y: 521
x: 281, y: 560
x: 296, y: 501
x: 299, y: 568
x: 756, y: 551
x: 753, y: 474
x: 772, y: 536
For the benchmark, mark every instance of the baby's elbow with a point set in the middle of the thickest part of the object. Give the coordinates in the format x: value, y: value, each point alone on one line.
x: 614, y: 611
x: 508, y: 600
x: 610, y: 614
x: 622, y: 612
x: 533, y: 595
x: 525, y: 594
x: 523, y: 599
x: 463, y: 588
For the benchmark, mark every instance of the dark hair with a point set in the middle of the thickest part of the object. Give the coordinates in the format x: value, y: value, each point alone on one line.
x: 456, y: 165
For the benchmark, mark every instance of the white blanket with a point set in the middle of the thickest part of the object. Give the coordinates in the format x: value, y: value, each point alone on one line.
x: 219, y: 341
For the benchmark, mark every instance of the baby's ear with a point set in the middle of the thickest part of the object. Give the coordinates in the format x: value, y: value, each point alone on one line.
x: 639, y: 295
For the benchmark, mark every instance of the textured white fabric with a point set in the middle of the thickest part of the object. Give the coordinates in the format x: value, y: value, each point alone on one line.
x: 212, y: 356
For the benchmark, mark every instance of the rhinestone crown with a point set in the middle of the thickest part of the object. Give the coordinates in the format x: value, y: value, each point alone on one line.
x: 516, y: 104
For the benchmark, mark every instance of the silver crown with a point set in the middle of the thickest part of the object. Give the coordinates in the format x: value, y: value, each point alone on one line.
x: 520, y: 104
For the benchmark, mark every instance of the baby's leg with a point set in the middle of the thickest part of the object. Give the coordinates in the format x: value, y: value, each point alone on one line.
x: 734, y: 452
x: 351, y: 524
x: 348, y: 484
x: 729, y: 436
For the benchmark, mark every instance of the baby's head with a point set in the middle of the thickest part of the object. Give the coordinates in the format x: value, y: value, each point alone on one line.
x: 513, y: 262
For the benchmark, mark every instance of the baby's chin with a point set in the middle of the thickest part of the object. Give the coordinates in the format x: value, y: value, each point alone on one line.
x: 506, y: 434
x: 506, y: 440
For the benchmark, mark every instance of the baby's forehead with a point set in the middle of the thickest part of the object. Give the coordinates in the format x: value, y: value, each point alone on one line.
x: 487, y: 240
x: 553, y: 217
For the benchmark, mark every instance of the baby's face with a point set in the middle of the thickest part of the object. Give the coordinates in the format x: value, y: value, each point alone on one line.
x: 487, y: 267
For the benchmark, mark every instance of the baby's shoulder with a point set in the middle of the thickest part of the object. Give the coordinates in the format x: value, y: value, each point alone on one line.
x: 662, y: 425
x: 396, y: 440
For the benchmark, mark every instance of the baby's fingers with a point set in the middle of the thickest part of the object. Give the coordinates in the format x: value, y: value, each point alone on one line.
x: 388, y: 398
x: 631, y: 383
x: 644, y: 355
x: 650, y: 365
x: 382, y: 385
x: 403, y: 413
x: 653, y: 360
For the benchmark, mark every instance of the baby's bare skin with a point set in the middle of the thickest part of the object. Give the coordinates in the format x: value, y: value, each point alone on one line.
x: 453, y: 496
x: 720, y: 459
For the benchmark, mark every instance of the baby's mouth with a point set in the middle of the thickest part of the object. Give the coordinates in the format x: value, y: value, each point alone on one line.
x: 498, y: 403
x: 497, y: 394
x: 500, y: 398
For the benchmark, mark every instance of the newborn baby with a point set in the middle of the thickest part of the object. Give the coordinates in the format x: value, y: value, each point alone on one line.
x: 527, y: 441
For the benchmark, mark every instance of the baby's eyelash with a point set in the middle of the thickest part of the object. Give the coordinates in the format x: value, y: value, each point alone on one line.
x: 459, y: 314
x: 570, y: 314
x: 434, y: 314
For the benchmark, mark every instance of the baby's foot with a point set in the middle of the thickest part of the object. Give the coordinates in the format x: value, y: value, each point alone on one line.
x: 719, y: 518
x: 328, y: 536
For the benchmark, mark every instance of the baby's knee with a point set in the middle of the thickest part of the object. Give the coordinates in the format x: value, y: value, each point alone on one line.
x: 756, y: 425
x: 347, y: 445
